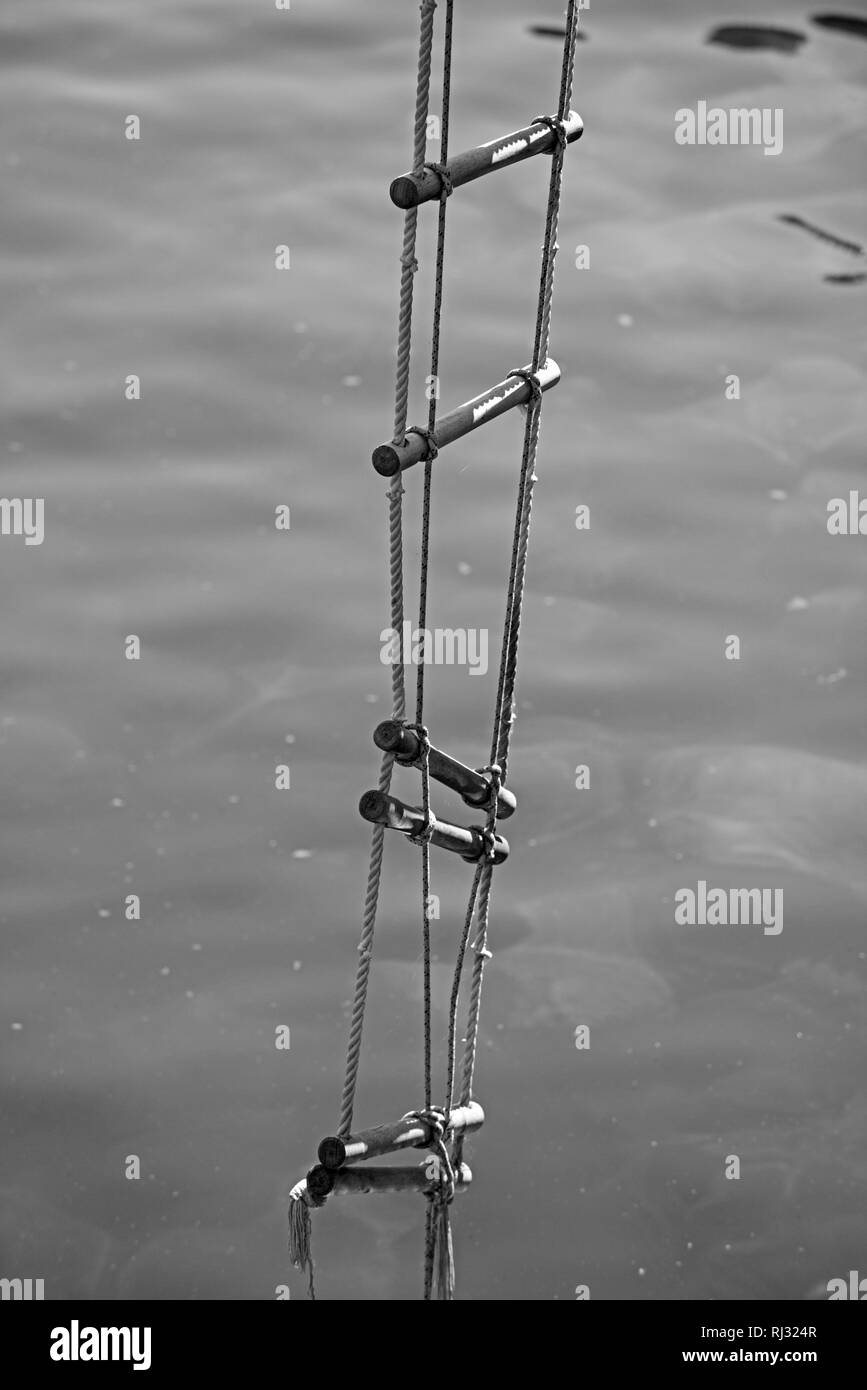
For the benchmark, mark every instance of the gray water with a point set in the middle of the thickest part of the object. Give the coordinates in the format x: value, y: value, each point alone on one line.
x: 156, y: 1038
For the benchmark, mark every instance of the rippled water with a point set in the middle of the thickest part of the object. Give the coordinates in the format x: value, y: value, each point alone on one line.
x: 155, y: 1038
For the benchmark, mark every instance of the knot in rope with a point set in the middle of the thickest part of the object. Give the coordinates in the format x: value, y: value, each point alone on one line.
x: 532, y: 381
x: 434, y: 1118
x: 409, y: 262
x: 495, y: 773
x: 490, y: 839
x: 428, y: 6
x: 556, y: 126
x: 437, y: 1122
x: 445, y: 1193
x: 422, y: 837
x: 420, y: 730
x: 445, y: 174
x: 429, y: 438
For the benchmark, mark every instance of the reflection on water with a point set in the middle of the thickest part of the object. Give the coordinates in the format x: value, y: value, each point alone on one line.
x: 155, y: 1036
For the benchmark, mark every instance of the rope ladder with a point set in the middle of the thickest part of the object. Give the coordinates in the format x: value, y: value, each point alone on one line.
x: 441, y: 1129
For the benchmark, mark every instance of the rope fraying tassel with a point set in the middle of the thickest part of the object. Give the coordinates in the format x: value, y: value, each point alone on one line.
x: 300, y: 1251
x: 439, y: 1262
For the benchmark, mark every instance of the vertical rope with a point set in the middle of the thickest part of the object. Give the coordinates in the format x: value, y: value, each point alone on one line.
x: 395, y: 502
x: 437, y: 1240
x: 425, y: 540
x: 407, y: 259
x: 395, y: 574
x: 481, y: 954
x: 425, y: 915
x: 504, y: 705
x: 435, y: 354
x: 534, y: 413
x: 451, y: 1058
x: 508, y: 664
x: 365, y: 955
x: 429, y: 1251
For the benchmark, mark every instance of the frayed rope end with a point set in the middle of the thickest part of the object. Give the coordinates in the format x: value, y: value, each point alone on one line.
x: 299, y: 1232
x: 443, y: 1257
x: 300, y: 1250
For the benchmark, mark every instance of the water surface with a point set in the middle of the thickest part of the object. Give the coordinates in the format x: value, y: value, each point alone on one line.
x: 155, y: 1038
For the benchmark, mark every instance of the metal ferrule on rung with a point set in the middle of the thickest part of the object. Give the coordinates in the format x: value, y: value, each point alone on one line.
x: 389, y: 459
x: 321, y: 1182
x: 469, y: 842
x: 411, y: 189
x: 473, y: 787
x: 410, y: 1132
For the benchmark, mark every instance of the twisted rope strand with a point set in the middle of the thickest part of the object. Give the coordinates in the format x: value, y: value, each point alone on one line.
x: 408, y: 261
x: 451, y: 1059
x: 434, y: 359
x: 504, y: 704
x: 437, y: 1222
x: 425, y: 544
x: 425, y: 896
x: 395, y: 502
x: 395, y: 579
x: 481, y: 955
x: 365, y: 955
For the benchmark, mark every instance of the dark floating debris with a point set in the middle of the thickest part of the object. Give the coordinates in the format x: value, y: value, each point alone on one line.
x: 852, y: 246
x: 550, y: 31
x: 843, y: 23
x: 757, y: 36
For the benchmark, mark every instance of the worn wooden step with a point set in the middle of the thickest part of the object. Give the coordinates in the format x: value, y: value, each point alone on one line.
x: 389, y: 459
x: 321, y: 1182
x: 407, y: 1133
x: 381, y: 808
x: 409, y: 190
x: 473, y: 787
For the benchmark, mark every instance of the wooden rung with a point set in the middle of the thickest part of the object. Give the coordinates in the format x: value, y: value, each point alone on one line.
x: 411, y: 189
x: 474, y: 787
x: 406, y: 1133
x: 384, y: 809
x: 389, y: 459
x: 321, y: 1182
